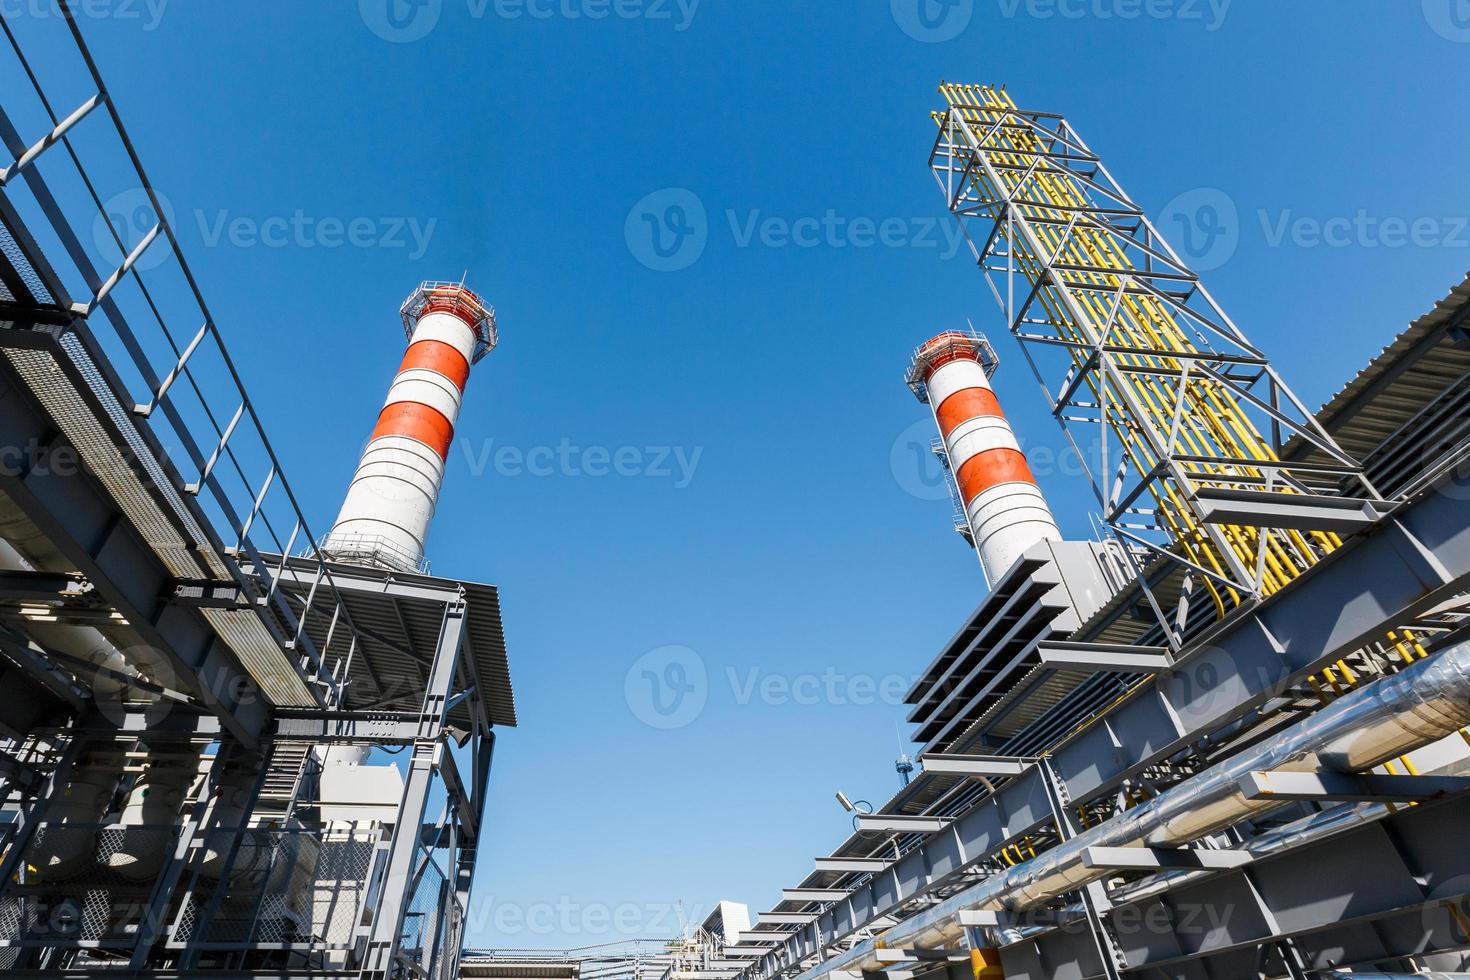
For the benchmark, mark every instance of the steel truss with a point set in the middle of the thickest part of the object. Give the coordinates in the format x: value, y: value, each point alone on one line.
x: 418, y: 873
x: 1188, y: 417
x: 1192, y: 422
x: 226, y: 501
x: 1259, y: 656
x: 1308, y: 903
x: 153, y: 478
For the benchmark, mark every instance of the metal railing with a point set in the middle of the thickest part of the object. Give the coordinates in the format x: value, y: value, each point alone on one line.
x: 372, y: 549
x: 83, y: 896
x: 193, y: 396
x: 284, y: 888
x: 425, y: 921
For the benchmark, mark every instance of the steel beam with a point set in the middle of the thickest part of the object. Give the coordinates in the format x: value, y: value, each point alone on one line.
x: 812, y: 894
x: 1344, y: 515
x: 901, y: 823
x: 1349, y: 787
x: 387, y: 927
x: 390, y: 727
x: 1155, y: 859
x: 1104, y: 657
x: 41, y: 585
x: 345, y: 578
x: 788, y: 918
x: 465, y: 808
x: 846, y: 865
x: 467, y: 854
x: 202, y: 728
x: 985, y: 919
x: 974, y: 765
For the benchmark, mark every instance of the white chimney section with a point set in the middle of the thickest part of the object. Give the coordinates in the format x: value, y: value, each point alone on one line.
x: 1003, y: 505
x: 385, y: 519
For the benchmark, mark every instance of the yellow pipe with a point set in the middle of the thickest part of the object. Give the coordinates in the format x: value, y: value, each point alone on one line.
x: 1217, y: 426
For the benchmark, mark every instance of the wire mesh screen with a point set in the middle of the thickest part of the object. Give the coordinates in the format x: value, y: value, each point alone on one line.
x: 425, y: 920
x: 84, y: 883
x: 285, y: 887
x: 16, y: 259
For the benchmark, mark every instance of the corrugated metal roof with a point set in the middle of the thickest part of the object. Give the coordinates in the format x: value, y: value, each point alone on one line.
x: 1431, y: 355
x: 401, y: 631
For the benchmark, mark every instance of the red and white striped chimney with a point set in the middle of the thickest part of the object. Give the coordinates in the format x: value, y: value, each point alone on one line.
x: 385, y: 519
x: 1003, y: 505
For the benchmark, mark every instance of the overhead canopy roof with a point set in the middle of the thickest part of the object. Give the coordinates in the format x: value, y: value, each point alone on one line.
x: 1403, y: 388
x: 399, y: 616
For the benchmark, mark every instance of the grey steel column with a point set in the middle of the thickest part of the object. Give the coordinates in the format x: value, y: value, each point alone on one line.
x: 468, y: 852
x: 31, y: 818
x: 204, y: 828
x: 407, y: 831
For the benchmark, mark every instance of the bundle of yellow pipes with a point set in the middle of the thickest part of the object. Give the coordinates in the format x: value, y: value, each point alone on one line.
x: 1214, y: 424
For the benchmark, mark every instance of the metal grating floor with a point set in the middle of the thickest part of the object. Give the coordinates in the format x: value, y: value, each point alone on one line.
x: 56, y: 393
x: 243, y: 632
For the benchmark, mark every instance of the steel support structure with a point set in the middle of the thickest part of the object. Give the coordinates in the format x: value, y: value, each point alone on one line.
x: 1419, y: 557
x: 416, y: 838
x: 118, y: 440
x: 1201, y: 925
x: 429, y: 753
x: 1425, y: 704
x: 1161, y: 395
x: 153, y: 479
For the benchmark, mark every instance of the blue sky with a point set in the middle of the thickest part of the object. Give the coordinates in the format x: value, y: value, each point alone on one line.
x: 702, y: 441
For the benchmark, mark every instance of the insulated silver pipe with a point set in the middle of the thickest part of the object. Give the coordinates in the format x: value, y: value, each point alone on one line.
x: 1312, y: 827
x: 1390, y: 717
x: 157, y: 795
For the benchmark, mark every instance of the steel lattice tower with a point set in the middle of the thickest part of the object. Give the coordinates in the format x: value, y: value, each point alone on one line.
x: 1189, y: 418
